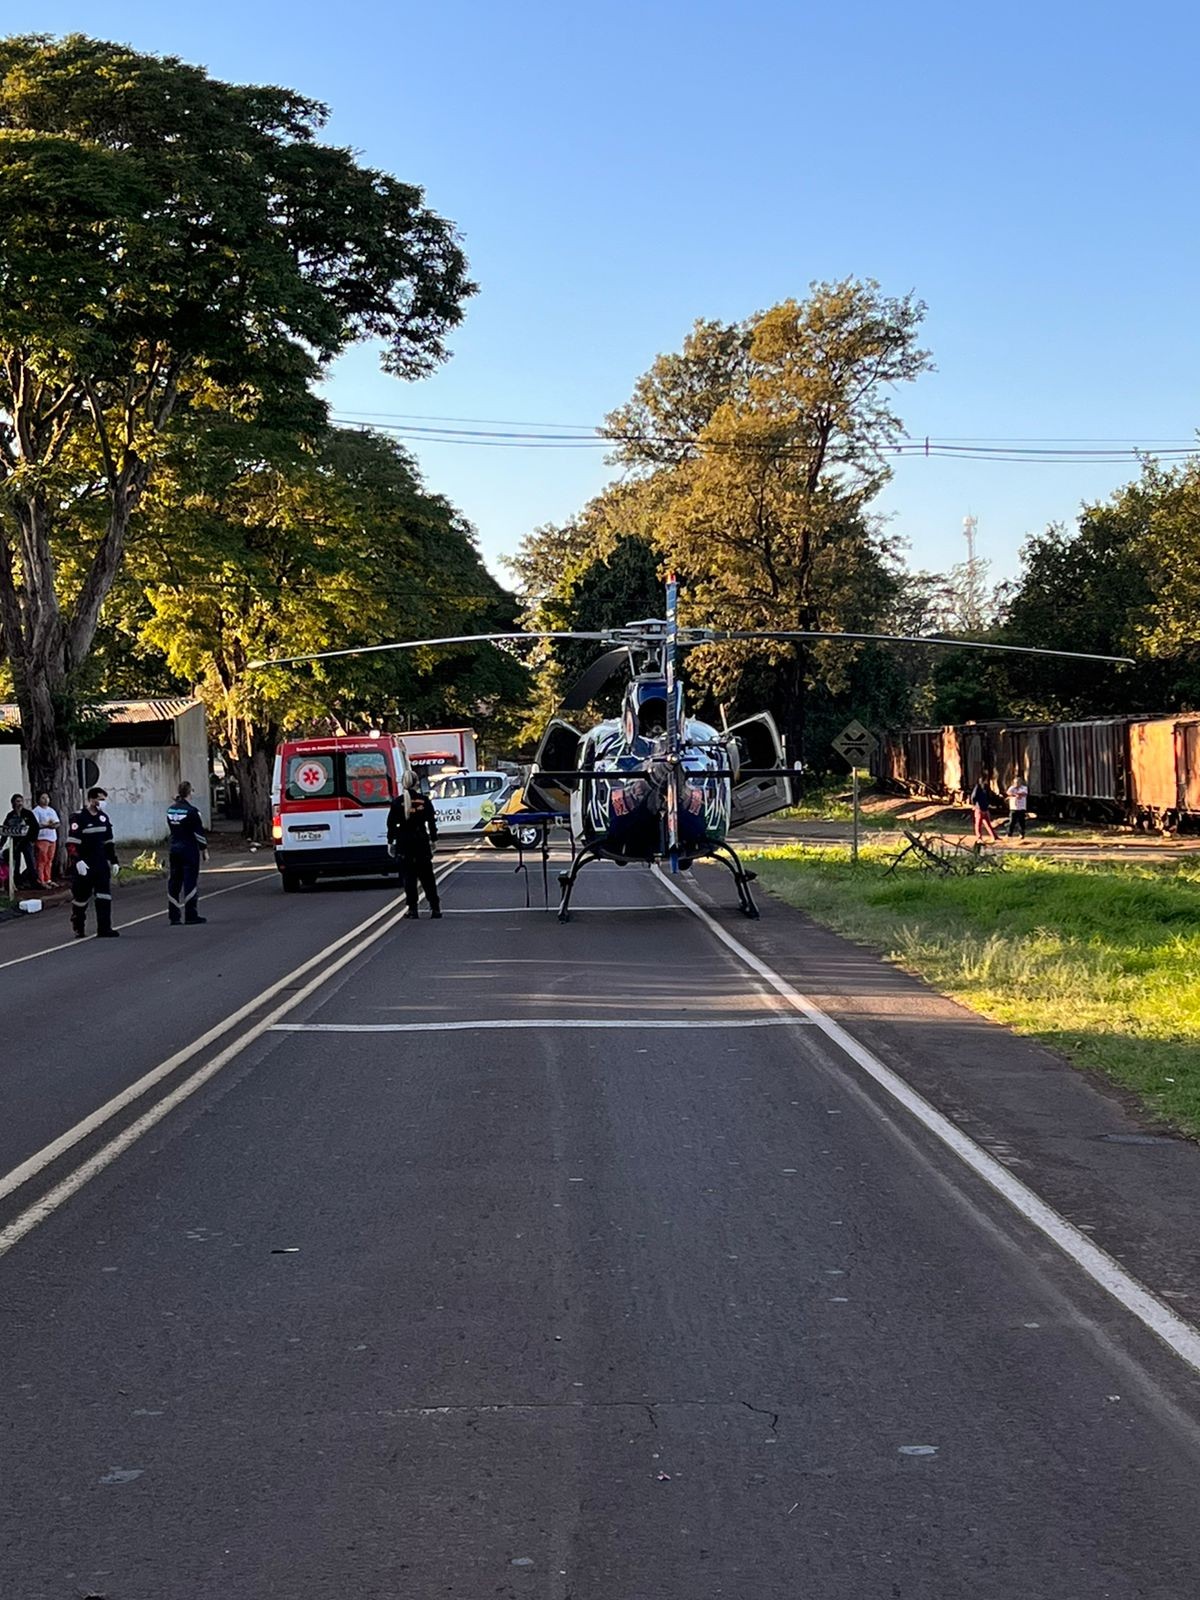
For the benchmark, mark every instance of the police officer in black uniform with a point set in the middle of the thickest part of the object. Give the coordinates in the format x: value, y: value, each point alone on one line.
x: 189, y: 845
x: 94, y: 864
x: 412, y: 833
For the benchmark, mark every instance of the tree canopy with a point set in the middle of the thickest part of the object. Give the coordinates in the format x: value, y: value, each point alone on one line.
x: 755, y: 453
x: 176, y: 254
x: 340, y: 547
x: 1125, y: 580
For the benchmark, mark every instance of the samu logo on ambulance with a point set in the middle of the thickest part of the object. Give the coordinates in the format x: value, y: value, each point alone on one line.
x: 311, y: 777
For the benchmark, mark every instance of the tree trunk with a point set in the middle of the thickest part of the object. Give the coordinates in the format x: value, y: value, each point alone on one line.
x: 38, y: 666
x: 42, y: 646
x: 254, y: 779
x: 792, y: 711
x: 49, y: 754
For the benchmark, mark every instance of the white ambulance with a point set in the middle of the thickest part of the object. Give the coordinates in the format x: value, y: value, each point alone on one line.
x: 330, y: 805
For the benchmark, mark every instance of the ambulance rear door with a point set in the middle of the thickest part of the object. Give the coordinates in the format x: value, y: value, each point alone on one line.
x: 310, y: 814
x: 369, y: 782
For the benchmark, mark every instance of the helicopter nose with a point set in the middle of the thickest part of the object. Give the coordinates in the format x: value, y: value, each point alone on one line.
x: 655, y: 799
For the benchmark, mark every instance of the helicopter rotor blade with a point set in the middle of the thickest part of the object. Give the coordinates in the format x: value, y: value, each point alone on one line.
x: 720, y: 635
x: 593, y: 678
x: 418, y: 644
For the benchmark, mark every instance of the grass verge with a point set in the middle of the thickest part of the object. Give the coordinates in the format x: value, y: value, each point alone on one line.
x: 829, y: 800
x: 1102, y: 962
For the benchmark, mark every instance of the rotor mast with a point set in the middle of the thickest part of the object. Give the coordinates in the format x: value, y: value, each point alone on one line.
x: 673, y: 730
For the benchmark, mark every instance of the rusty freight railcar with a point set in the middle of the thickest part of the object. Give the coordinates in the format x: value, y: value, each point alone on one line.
x: 1018, y: 750
x: 1187, y: 767
x: 1153, y: 772
x: 944, y: 763
x: 889, y: 763
x: 1134, y: 769
x: 1164, y: 771
x: 974, y: 756
x: 1089, y: 767
x: 925, y: 760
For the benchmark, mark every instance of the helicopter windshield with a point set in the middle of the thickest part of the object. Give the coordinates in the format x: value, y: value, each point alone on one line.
x: 650, y: 701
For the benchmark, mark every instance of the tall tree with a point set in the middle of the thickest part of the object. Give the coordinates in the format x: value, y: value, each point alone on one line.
x: 672, y: 404
x: 1125, y: 580
x: 1168, y: 501
x: 174, y: 251
x: 769, y: 515
x: 597, y: 570
x: 340, y: 548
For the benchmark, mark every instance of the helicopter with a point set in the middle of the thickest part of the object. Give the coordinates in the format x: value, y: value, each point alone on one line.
x: 655, y: 784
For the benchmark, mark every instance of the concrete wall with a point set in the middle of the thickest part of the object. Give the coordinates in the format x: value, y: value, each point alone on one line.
x: 191, y: 738
x: 12, y: 775
x: 141, y: 784
x: 141, y: 780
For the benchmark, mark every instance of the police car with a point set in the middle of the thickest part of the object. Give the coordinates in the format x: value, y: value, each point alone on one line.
x: 465, y: 802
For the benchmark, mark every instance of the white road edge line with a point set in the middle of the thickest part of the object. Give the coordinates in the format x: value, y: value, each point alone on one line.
x: 36, y: 1163
x: 540, y: 911
x: 641, y: 1023
x: 1180, y: 1336
x: 76, y: 944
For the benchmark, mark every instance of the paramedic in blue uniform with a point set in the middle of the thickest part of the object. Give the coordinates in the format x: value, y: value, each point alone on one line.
x: 93, y: 865
x: 412, y: 832
x: 189, y: 845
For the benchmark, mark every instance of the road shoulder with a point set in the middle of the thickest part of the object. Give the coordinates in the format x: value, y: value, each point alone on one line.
x: 1080, y: 1144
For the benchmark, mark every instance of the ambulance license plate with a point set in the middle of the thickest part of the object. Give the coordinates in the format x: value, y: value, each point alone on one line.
x: 306, y: 833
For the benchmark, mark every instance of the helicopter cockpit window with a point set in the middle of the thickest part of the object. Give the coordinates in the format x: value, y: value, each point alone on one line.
x: 652, y: 718
x: 650, y: 697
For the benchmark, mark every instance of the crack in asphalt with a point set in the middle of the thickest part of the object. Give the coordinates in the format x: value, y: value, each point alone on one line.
x: 760, y: 1411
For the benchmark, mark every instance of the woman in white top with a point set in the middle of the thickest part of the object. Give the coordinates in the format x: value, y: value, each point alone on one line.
x: 47, y: 839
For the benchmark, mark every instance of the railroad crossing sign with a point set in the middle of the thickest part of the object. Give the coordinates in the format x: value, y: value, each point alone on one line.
x: 855, y: 744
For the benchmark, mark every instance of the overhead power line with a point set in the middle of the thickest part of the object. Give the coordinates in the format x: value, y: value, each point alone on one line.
x: 1031, y: 451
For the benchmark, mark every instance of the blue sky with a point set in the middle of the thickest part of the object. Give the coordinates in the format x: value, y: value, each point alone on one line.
x: 619, y: 170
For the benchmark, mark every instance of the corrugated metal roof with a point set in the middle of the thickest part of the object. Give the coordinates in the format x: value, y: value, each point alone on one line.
x: 121, y: 711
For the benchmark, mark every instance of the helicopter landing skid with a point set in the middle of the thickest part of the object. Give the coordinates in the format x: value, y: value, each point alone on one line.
x: 567, y: 880
x: 742, y: 876
x: 724, y: 853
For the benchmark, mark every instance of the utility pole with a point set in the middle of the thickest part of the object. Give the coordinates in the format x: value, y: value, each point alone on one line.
x: 973, y: 597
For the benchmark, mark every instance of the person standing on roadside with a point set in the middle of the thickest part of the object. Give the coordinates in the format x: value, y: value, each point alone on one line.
x: 412, y: 834
x: 1018, y: 806
x: 47, y: 840
x: 94, y: 865
x: 20, y: 825
x: 189, y: 846
x: 982, y: 801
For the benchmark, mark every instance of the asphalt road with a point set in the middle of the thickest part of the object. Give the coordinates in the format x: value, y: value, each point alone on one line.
x: 501, y: 1259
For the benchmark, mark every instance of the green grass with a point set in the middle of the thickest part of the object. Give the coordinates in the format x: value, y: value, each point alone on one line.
x: 828, y: 800
x: 1099, y: 961
x: 821, y: 802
